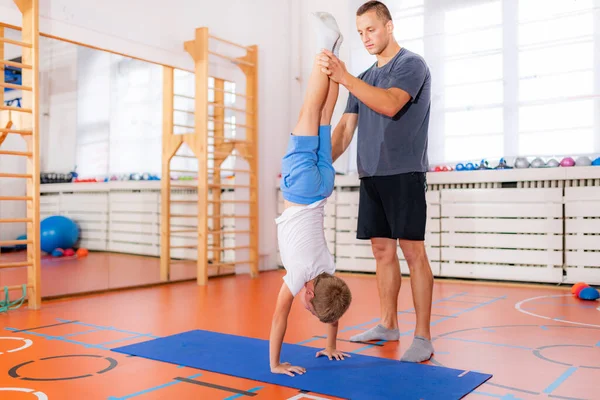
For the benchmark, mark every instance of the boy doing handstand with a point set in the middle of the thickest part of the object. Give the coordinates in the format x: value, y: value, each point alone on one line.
x: 307, y: 180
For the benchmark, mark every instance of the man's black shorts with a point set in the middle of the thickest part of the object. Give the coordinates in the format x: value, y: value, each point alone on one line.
x: 393, y: 207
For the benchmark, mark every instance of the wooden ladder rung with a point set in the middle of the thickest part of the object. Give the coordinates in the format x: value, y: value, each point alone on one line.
x: 231, y: 201
x: 14, y: 242
x: 189, y: 246
x: 15, y: 198
x: 232, y: 59
x: 8, y: 175
x: 15, y: 153
x: 221, y: 121
x: 228, y: 248
x: 245, y: 171
x: 183, y: 111
x: 19, y: 287
x: 15, y: 64
x: 184, y: 96
x: 16, y: 87
x: 228, y: 216
x: 25, y: 132
x: 214, y: 185
x: 15, y: 42
x: 15, y: 220
x: 16, y: 109
x: 221, y: 154
x: 217, y: 105
x: 230, y: 43
x: 184, y: 215
x: 230, y: 92
x: 16, y: 264
x: 184, y: 230
x: 233, y: 263
x: 184, y: 201
x: 227, y: 232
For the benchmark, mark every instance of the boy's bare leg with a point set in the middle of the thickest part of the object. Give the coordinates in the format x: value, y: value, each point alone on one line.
x: 320, y: 96
x: 332, y: 96
x: 316, y: 94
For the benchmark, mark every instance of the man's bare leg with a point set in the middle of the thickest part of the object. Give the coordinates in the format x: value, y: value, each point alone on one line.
x: 388, y: 284
x: 421, y: 282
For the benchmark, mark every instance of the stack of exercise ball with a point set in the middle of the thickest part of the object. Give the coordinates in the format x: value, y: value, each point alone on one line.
x: 59, y: 235
x: 521, y: 162
x: 584, y: 291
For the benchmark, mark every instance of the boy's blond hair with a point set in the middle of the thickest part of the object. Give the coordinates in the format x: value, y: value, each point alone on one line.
x: 332, y: 297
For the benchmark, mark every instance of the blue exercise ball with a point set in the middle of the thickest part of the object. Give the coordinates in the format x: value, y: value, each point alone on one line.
x: 58, y: 232
x: 589, y: 293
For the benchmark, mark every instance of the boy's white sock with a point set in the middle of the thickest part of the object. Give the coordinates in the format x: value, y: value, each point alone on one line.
x: 327, y: 32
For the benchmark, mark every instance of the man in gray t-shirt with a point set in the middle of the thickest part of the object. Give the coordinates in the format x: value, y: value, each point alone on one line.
x: 390, y: 103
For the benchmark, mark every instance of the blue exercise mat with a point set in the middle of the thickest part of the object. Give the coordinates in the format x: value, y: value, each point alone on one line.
x: 358, y: 377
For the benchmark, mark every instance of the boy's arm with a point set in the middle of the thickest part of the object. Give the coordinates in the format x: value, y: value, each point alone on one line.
x: 278, y: 327
x: 330, y: 351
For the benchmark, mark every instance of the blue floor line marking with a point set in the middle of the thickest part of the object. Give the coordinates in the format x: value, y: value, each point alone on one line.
x: 152, y: 389
x: 489, y: 343
x: 598, y: 344
x: 448, y: 307
x: 464, y: 301
x: 312, y: 339
x: 368, y: 346
x: 237, y: 396
x: 62, y: 339
x: 560, y: 380
x: 407, y: 311
x: 111, y: 328
x: 437, y: 321
x: 123, y: 339
x: 354, y: 327
x: 81, y: 333
x: 479, y: 296
x: 487, y: 394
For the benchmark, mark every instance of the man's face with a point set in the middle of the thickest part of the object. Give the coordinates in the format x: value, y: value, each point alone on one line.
x: 374, y: 33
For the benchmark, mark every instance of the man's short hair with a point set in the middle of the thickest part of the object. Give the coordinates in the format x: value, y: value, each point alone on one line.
x: 381, y: 9
x: 332, y: 298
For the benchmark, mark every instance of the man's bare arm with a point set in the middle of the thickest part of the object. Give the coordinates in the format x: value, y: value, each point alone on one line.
x: 342, y: 135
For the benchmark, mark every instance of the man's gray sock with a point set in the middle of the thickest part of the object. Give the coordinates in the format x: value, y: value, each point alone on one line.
x: 378, y: 332
x: 420, y: 350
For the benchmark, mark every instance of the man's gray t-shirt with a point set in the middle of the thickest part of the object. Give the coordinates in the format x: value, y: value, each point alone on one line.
x: 394, y: 145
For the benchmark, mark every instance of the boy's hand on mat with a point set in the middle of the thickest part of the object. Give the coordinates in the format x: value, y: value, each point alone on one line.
x: 332, y: 353
x: 288, y: 369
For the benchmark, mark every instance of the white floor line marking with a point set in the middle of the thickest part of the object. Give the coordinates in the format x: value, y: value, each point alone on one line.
x: 519, y: 304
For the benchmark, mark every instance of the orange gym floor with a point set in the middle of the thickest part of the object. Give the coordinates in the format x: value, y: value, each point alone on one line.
x: 539, y: 342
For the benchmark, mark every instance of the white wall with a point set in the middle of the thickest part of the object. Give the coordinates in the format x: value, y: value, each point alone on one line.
x: 156, y: 31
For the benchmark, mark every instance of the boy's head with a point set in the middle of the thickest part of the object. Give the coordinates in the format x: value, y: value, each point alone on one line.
x: 327, y: 297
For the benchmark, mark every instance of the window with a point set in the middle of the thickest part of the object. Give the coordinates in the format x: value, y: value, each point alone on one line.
x: 510, y: 78
x: 556, y: 77
x: 473, y: 88
x: 409, y: 23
